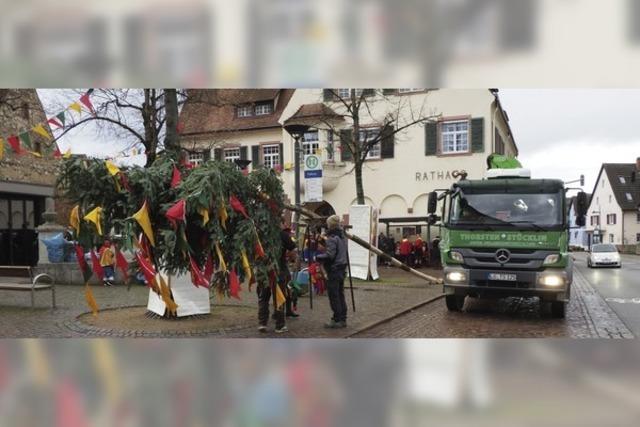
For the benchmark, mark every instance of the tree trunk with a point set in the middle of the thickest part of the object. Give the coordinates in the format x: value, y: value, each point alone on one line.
x: 171, y: 114
x: 148, y: 119
x: 359, y: 184
x: 357, y: 148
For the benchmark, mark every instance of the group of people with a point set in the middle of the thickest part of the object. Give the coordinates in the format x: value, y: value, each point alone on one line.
x: 330, y: 251
x: 411, y: 250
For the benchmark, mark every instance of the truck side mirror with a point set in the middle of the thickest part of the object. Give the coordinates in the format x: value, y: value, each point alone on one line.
x: 432, y: 203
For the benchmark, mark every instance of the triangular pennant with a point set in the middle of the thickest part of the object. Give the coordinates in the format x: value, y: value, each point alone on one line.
x: 26, y: 139
x: 142, y: 217
x: 14, y: 142
x: 177, y: 212
x: 237, y: 206
x: 1, y: 148
x: 204, y: 212
x: 55, y: 122
x: 197, y: 277
x: 176, y: 178
x: 234, y: 285
x: 122, y: 264
x: 87, y: 103
x: 91, y: 301
x: 82, y: 263
x: 40, y: 130
x: 67, y: 154
x: 62, y: 118
x: 95, y: 265
x: 208, y: 268
x: 113, y: 169
x: 280, y: 298
x: 147, y: 269
x: 246, y: 266
x: 221, y: 262
x: 95, y: 216
x: 223, y: 215
x: 74, y: 219
x: 76, y: 107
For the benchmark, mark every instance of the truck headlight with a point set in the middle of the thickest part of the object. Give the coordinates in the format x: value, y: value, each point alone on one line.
x: 456, y: 256
x: 551, y: 259
x: 552, y: 280
x: 456, y: 276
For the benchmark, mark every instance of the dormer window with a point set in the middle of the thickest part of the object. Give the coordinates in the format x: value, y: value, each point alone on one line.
x: 264, y: 108
x: 244, y: 111
x: 622, y: 180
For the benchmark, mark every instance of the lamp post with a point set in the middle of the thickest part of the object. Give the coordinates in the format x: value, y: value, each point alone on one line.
x: 297, y: 131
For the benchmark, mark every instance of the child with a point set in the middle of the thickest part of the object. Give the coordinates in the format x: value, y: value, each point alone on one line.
x: 107, y: 261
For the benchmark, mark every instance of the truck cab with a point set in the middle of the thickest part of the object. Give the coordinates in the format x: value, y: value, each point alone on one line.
x: 506, y: 235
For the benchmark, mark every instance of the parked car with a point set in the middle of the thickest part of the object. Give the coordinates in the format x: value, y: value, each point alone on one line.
x: 604, y: 255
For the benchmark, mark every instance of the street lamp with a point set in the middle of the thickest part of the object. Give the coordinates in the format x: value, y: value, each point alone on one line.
x: 297, y: 131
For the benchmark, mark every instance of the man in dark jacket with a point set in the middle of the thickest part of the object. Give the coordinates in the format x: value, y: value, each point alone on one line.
x: 335, y: 263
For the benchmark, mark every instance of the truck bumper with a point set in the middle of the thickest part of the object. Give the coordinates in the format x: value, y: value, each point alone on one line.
x: 549, y: 285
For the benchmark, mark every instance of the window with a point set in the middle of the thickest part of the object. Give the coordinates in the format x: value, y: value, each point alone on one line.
x: 611, y: 219
x: 622, y: 180
x: 638, y: 237
x: 310, y: 143
x: 343, y: 93
x: 638, y: 217
x: 244, y: 111
x: 264, y: 108
x: 595, y: 220
x: 575, y: 235
x: 196, y: 158
x: 368, y: 135
x: 611, y: 238
x: 231, y: 154
x: 629, y: 197
x: 407, y: 90
x: 271, y: 156
x: 455, y: 136
x: 331, y: 152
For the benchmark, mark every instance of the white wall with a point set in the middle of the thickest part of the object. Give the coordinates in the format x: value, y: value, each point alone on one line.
x: 604, y: 201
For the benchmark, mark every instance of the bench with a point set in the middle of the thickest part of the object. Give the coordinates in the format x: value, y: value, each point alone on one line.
x: 16, y: 271
x: 33, y: 287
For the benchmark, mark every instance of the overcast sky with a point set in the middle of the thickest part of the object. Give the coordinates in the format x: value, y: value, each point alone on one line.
x: 567, y: 132
x: 560, y: 133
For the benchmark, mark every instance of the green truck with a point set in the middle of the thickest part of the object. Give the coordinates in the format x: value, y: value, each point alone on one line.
x: 506, y: 236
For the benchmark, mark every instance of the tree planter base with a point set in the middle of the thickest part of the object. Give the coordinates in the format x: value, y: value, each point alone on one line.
x: 190, y: 300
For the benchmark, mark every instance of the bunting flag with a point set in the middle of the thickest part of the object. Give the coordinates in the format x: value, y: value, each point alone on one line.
x: 74, y: 219
x: 280, y: 298
x: 95, y: 265
x: 40, y: 130
x: 76, y: 107
x: 57, y: 154
x: 208, y: 268
x: 26, y: 139
x: 95, y: 216
x: 55, y: 122
x: 237, y: 206
x: 176, y: 178
x: 62, y: 118
x: 223, y: 215
x: 124, y: 181
x: 14, y: 142
x: 177, y: 212
x: 222, y: 263
x: 87, y: 102
x: 258, y: 249
x: 197, y: 277
x: 234, y: 285
x: 35, y: 154
x: 113, y: 169
x: 82, y: 263
x: 1, y: 148
x: 122, y: 264
x: 165, y: 293
x: 142, y: 217
x: 67, y: 154
x: 246, y: 266
x: 91, y: 301
x: 204, y: 212
x: 147, y: 269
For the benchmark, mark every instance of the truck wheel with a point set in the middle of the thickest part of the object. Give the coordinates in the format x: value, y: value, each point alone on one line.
x: 558, y: 309
x: 454, y: 302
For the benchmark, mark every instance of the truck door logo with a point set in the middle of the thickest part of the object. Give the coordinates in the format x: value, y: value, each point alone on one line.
x: 503, y: 256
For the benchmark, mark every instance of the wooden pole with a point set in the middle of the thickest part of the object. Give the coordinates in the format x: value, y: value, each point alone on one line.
x: 366, y: 245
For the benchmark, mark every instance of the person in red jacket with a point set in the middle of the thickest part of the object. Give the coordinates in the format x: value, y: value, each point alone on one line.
x: 405, y: 250
x: 418, y: 254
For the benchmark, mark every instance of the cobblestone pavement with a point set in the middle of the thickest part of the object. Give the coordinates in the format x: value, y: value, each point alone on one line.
x: 374, y: 301
x: 588, y: 316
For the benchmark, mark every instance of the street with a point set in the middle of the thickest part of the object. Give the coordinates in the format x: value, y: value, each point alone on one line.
x: 602, y: 306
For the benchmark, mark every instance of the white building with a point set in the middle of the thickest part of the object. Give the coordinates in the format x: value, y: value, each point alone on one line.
x: 614, y: 210
x: 465, y: 126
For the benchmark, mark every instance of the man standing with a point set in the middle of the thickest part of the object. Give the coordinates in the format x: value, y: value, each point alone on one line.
x: 335, y: 262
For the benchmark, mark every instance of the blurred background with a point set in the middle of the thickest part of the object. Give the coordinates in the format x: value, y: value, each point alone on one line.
x: 318, y: 383
x: 306, y: 43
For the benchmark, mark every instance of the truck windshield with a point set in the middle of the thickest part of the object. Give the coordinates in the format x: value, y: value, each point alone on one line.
x: 526, y: 210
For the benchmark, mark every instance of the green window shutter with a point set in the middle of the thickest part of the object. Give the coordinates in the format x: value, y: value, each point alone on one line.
x: 281, y: 152
x: 345, y: 138
x: 255, y: 156
x: 388, y: 143
x: 217, y: 154
x: 244, y: 153
x: 327, y: 95
x: 431, y: 139
x: 477, y: 135
x: 387, y: 92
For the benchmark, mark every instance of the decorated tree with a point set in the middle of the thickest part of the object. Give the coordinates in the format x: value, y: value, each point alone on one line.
x: 213, y: 221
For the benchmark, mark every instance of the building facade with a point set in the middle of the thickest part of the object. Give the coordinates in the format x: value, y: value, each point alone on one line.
x: 26, y: 182
x: 460, y: 129
x: 614, y: 210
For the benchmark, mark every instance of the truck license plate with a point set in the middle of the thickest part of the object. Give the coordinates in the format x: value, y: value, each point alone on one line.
x: 502, y: 276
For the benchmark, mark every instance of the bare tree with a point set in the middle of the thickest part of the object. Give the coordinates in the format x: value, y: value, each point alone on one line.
x: 367, y: 119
